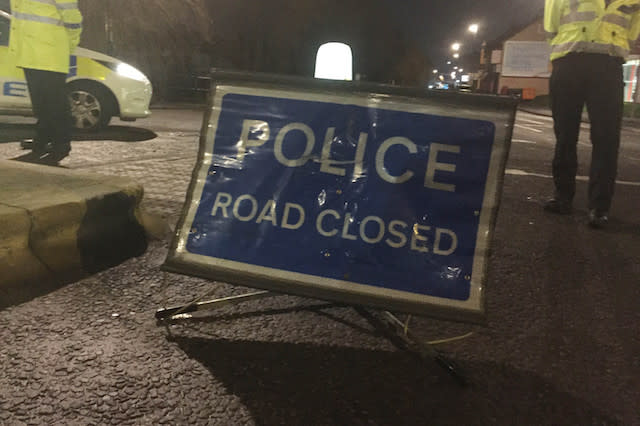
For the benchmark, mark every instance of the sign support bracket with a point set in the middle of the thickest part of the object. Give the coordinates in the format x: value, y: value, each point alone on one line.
x: 383, y: 321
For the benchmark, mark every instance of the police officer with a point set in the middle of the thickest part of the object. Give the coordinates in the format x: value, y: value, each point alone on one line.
x: 589, y: 41
x: 44, y: 33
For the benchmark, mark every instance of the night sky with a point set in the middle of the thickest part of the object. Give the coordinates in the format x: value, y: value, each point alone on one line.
x: 436, y: 24
x: 430, y: 26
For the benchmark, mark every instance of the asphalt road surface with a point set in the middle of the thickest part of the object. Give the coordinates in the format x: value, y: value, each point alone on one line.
x: 561, y: 344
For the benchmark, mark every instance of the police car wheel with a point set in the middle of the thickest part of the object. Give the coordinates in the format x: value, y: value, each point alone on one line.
x: 90, y: 106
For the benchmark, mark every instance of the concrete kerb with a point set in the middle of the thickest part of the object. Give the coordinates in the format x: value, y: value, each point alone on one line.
x: 531, y: 109
x: 59, y: 225
x: 178, y: 105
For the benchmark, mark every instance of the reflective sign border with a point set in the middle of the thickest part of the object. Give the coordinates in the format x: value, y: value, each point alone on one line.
x: 498, y: 110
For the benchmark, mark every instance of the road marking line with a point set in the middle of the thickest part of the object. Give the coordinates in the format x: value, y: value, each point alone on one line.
x: 522, y: 141
x: 518, y: 172
x: 528, y: 120
x: 546, y: 116
x: 529, y: 128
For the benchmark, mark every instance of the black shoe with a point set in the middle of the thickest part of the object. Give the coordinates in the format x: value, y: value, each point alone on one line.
x: 598, y: 219
x: 35, y: 146
x: 558, y: 206
x: 31, y: 157
x: 52, y: 158
x: 26, y: 144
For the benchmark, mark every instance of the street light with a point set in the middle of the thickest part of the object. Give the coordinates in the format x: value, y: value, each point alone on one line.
x: 456, y: 55
x: 474, y: 29
x: 455, y: 46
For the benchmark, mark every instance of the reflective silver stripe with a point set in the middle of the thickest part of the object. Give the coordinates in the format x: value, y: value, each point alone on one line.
x: 50, y: 2
x: 67, y: 6
x: 73, y: 26
x: 577, y: 17
x: 587, y: 47
x: 573, y: 5
x: 622, y: 21
x: 630, y: 9
x: 58, y: 5
x: 36, y: 18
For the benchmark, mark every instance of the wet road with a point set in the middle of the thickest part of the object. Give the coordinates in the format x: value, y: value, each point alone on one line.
x: 560, y: 345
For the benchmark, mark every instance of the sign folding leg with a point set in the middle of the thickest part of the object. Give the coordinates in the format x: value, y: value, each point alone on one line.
x: 182, y: 312
x: 401, y: 337
x: 384, y: 321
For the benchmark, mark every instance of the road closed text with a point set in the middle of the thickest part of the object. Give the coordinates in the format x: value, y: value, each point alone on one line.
x: 331, y: 223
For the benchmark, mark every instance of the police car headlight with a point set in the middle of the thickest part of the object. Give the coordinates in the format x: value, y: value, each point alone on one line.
x: 126, y: 70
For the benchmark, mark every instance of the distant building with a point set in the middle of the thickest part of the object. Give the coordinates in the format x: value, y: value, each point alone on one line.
x: 524, y: 61
x: 521, y: 60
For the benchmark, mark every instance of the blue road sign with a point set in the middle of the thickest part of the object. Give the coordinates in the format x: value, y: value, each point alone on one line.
x: 346, y: 197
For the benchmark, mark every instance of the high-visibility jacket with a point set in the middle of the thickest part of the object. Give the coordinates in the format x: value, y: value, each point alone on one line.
x: 44, y: 33
x: 591, y: 26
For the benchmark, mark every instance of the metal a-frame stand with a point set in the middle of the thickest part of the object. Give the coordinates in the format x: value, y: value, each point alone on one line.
x: 383, y: 321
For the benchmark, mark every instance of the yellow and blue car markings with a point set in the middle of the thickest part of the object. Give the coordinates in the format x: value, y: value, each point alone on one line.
x: 78, y: 66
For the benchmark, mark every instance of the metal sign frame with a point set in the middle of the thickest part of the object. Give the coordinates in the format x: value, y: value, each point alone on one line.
x: 498, y: 110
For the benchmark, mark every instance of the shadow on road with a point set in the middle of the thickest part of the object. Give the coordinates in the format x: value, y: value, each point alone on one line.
x: 287, y: 383
x: 17, y: 132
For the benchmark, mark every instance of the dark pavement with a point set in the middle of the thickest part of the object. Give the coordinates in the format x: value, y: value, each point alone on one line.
x: 561, y: 344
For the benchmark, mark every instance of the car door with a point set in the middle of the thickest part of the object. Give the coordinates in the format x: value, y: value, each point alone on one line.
x: 14, y: 94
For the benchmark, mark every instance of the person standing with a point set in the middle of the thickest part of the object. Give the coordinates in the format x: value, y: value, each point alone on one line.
x: 589, y: 41
x: 44, y: 34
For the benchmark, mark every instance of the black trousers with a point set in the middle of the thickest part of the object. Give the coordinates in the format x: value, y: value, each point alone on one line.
x: 50, y: 105
x: 594, y: 80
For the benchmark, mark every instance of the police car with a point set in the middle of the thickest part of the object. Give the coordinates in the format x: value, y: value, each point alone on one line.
x: 100, y: 87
